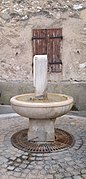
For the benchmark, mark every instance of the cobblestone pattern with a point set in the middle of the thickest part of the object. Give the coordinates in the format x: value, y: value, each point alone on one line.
x: 65, y: 164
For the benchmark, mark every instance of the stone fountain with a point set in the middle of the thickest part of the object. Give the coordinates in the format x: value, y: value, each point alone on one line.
x: 41, y: 108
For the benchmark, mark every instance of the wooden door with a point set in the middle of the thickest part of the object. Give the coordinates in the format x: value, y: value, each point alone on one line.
x: 48, y: 41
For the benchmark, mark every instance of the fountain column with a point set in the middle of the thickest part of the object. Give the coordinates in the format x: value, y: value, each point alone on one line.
x: 41, y: 129
x: 40, y: 76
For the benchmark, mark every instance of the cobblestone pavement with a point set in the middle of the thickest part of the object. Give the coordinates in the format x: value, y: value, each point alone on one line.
x: 64, y: 164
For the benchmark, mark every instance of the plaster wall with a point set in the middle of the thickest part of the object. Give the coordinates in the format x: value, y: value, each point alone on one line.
x: 16, y: 44
x: 16, y: 49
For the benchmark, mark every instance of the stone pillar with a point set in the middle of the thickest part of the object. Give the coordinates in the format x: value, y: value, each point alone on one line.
x: 40, y: 76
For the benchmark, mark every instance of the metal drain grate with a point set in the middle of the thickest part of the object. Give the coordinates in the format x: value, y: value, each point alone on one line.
x: 62, y: 140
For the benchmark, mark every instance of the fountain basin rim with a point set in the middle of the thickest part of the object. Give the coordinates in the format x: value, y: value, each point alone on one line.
x: 16, y: 102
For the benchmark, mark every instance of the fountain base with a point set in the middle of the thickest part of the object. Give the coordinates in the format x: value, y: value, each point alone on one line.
x: 63, y: 140
x: 41, y: 130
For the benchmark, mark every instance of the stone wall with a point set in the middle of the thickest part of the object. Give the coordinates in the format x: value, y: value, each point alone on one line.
x: 19, y: 17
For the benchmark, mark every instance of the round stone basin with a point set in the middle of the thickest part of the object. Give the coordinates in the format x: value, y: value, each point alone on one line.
x: 56, y: 105
x: 41, y: 113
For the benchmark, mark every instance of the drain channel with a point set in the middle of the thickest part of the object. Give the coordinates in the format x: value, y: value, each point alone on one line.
x: 62, y: 140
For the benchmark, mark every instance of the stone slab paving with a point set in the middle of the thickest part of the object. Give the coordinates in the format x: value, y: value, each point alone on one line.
x: 64, y: 164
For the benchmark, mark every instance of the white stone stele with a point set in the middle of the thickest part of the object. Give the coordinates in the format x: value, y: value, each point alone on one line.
x: 40, y: 75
